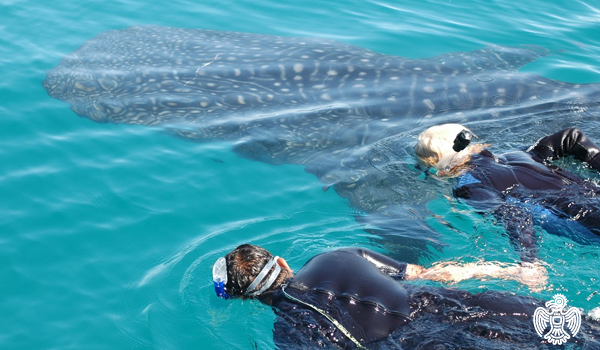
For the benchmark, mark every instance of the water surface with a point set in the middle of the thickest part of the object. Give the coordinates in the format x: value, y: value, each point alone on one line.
x: 109, y: 231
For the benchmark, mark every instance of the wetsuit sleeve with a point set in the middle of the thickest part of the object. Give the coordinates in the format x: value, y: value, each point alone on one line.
x: 568, y: 142
x: 387, y: 265
x: 521, y: 231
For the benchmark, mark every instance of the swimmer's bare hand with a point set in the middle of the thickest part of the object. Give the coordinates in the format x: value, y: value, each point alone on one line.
x: 533, y: 275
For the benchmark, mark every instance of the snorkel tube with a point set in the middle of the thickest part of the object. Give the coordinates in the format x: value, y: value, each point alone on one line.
x: 220, y: 277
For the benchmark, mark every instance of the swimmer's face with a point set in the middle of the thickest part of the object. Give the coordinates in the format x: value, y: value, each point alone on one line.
x: 438, y: 145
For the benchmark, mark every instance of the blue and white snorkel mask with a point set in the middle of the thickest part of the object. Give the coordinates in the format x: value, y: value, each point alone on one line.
x: 220, y: 277
x: 251, y: 291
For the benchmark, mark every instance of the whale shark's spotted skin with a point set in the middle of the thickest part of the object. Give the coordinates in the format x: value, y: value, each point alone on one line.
x: 300, y: 93
x: 330, y: 106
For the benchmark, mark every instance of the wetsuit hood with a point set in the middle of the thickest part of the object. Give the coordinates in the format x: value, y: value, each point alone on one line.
x: 440, y: 144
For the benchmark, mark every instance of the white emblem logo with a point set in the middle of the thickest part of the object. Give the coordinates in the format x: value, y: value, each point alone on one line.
x: 556, y: 314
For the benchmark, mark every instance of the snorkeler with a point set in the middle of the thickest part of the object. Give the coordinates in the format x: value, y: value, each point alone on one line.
x: 353, y: 297
x: 520, y: 187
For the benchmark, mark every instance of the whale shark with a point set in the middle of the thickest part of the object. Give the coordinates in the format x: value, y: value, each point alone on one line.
x: 346, y: 113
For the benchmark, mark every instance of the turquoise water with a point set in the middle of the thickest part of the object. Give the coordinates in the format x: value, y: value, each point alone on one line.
x: 108, y: 231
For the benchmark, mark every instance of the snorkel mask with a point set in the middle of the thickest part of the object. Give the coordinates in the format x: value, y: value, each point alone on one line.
x: 250, y: 291
x: 220, y: 277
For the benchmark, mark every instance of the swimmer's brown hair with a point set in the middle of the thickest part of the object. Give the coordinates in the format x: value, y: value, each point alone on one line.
x: 244, y: 263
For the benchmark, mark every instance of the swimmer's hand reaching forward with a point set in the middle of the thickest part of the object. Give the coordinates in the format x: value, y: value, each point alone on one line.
x: 533, y: 275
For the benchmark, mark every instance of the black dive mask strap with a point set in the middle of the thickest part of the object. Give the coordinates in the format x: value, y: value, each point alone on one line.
x: 462, y: 140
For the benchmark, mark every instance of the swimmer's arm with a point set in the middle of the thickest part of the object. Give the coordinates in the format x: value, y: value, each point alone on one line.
x: 521, y: 231
x: 532, y: 275
x: 568, y: 142
x: 414, y: 272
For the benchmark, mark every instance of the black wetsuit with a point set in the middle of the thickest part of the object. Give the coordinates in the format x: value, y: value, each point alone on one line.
x: 518, y: 186
x: 360, y: 289
x: 349, y: 285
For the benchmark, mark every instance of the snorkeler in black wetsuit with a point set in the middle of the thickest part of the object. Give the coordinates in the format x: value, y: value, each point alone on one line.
x: 356, y: 298
x: 520, y: 186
